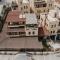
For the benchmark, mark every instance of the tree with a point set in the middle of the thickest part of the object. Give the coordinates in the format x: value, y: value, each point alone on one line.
x: 44, y: 43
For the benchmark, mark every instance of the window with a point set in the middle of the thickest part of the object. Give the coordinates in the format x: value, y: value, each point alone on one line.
x: 15, y: 23
x: 58, y: 31
x: 59, y: 8
x: 9, y: 23
x: 55, y: 25
x: 21, y: 8
x: 20, y: 2
x: 27, y: 29
x: 59, y: 23
x: 38, y: 17
x: 21, y: 26
x: 35, y: 25
x: 26, y: 12
x: 24, y: 7
x: 33, y: 32
x: 55, y: 14
x: 38, y: 6
x: 53, y: 31
x: 41, y: 19
x: 59, y: 18
x: 23, y: 22
x: 35, y: 6
x: 50, y: 5
x: 48, y: 10
x: 44, y: 10
x: 44, y: 5
x: 12, y: 33
x: 52, y: 26
x: 30, y: 25
x: 38, y: 11
x: 22, y: 32
x: 9, y: 33
x: 29, y: 33
x: 46, y: 24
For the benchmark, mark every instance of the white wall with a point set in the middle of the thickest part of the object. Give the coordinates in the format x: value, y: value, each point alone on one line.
x: 27, y: 30
x: 26, y: 9
x: 8, y: 1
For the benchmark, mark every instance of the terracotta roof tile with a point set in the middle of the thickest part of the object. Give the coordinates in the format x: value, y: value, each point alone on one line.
x: 13, y: 16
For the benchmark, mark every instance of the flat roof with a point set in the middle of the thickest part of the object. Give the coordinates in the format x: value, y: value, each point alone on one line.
x: 31, y: 18
x: 13, y: 16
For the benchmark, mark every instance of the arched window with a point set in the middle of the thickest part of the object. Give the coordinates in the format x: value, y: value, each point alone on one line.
x: 33, y: 32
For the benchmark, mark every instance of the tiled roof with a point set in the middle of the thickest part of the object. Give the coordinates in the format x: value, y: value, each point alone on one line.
x: 13, y: 16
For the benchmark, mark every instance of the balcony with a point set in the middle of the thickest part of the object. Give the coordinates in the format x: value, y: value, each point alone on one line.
x: 15, y: 25
x: 40, y: 4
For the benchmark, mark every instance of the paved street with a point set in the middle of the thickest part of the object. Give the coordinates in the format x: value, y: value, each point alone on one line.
x: 47, y: 57
x: 35, y: 57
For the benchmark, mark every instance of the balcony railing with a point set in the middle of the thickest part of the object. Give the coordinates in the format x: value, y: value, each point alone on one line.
x: 15, y: 25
